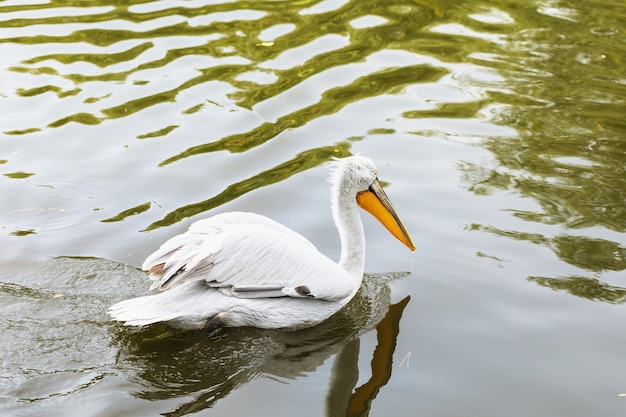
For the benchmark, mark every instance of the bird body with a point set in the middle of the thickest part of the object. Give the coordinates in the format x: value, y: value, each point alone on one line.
x: 243, y: 269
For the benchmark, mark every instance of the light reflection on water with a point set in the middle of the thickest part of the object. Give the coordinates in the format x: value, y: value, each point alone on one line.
x: 498, y: 127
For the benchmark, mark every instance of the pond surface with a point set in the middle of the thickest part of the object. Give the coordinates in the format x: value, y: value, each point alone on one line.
x: 499, y: 131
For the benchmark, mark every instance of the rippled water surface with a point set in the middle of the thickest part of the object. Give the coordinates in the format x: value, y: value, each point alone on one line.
x: 498, y: 128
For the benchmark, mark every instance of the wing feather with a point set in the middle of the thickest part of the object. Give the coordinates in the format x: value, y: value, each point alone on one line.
x: 246, y: 255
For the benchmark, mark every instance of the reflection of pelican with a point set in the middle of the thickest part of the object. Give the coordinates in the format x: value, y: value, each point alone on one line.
x: 187, y: 372
x: 242, y: 269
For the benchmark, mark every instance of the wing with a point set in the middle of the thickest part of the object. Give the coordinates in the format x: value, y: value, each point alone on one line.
x: 245, y: 255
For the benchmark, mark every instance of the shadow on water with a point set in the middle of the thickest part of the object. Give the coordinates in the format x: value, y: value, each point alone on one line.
x: 208, y: 367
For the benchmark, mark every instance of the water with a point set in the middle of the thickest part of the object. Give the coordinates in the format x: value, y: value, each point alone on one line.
x: 497, y: 126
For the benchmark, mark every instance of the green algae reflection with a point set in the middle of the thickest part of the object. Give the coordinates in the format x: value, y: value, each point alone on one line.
x: 301, y: 162
x: 19, y: 175
x: 129, y: 212
x: 332, y: 101
x: 238, y: 35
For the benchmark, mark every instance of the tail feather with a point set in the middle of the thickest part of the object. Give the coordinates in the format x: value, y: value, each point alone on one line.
x: 183, y: 306
x: 139, y: 311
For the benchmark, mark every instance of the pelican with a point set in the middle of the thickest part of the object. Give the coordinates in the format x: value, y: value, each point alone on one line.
x: 243, y: 269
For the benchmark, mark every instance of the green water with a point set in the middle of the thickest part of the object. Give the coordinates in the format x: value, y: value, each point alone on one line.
x: 500, y: 135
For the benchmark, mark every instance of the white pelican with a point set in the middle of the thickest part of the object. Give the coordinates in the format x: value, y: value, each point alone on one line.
x: 243, y: 269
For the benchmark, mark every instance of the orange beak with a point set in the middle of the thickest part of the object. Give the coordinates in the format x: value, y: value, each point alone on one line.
x: 376, y: 202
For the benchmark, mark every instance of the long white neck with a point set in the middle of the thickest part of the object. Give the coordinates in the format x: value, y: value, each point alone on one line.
x: 348, y: 222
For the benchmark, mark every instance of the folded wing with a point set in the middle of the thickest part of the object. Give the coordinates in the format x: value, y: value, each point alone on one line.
x: 245, y: 255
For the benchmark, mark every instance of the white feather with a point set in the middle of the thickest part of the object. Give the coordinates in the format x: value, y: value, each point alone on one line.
x: 243, y: 269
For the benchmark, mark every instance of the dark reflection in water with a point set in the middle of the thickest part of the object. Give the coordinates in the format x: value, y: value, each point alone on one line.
x: 238, y: 36
x: 232, y: 30
x: 571, y: 156
x: 568, y: 107
x: 70, y: 346
x: 360, y: 401
x: 332, y: 101
x: 305, y: 160
x: 209, y: 367
x: 594, y: 255
x: 585, y: 287
x: 153, y: 77
x: 591, y: 254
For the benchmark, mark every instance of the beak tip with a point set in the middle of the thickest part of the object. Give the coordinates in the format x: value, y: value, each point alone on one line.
x: 408, y: 243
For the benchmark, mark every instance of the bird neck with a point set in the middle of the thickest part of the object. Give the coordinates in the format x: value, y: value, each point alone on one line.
x: 348, y: 222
